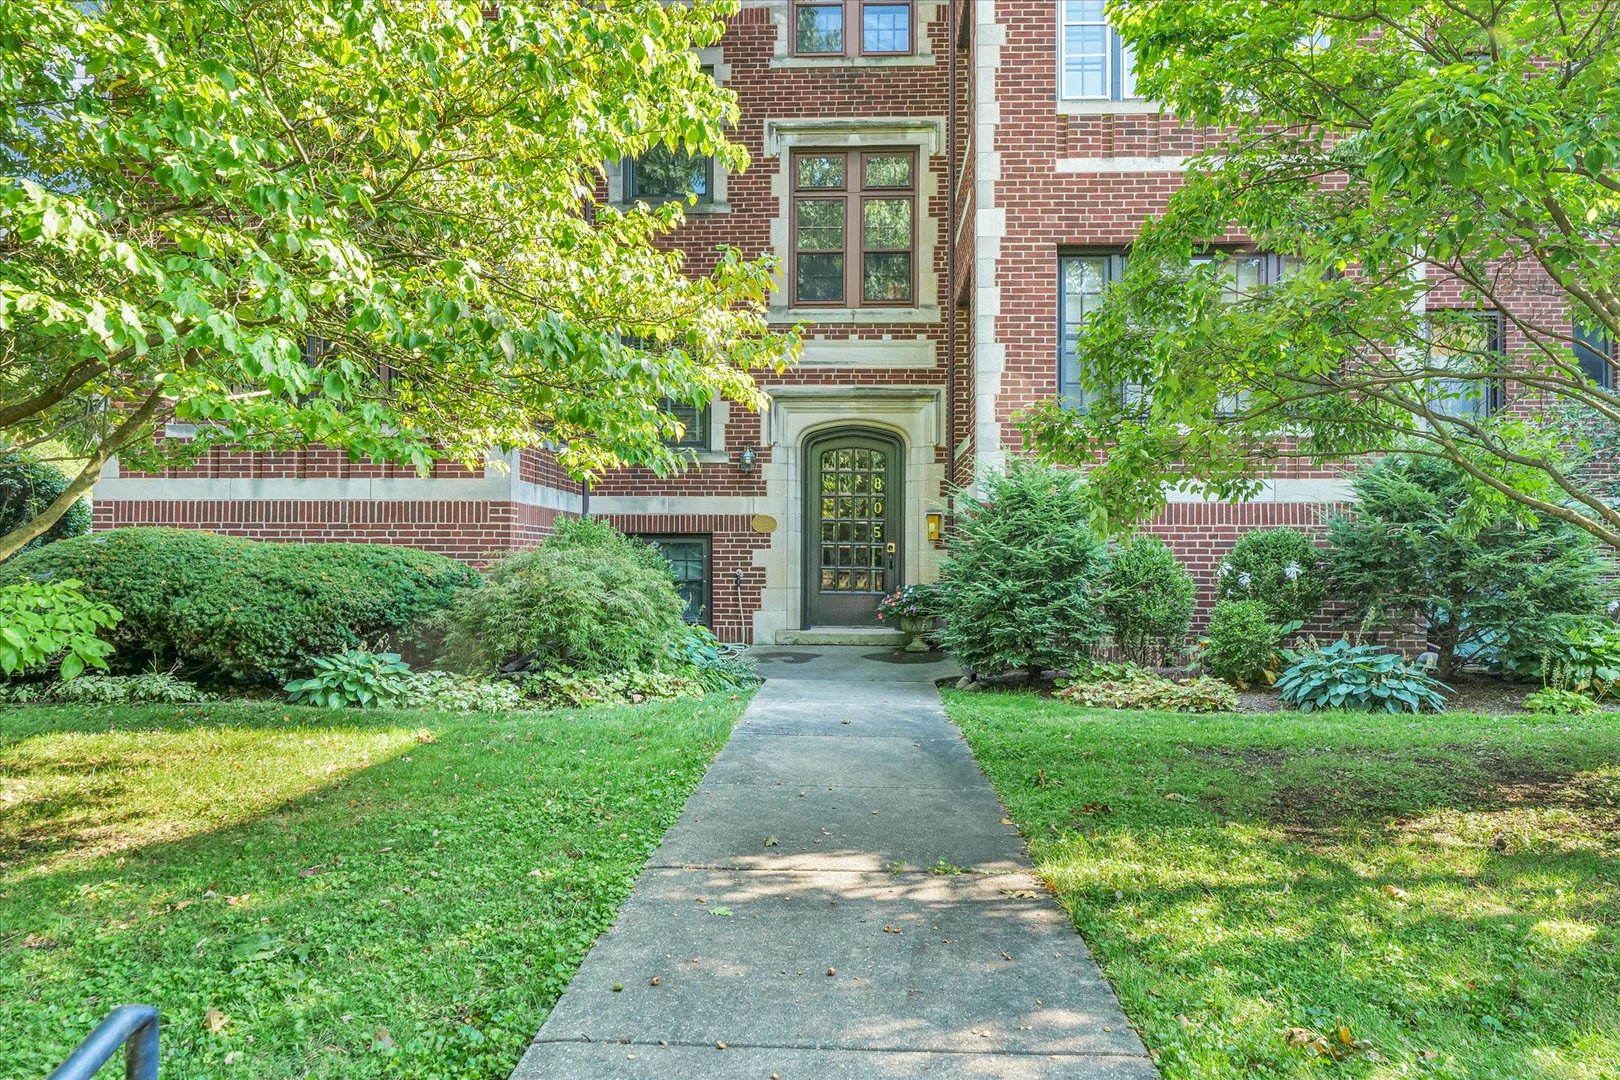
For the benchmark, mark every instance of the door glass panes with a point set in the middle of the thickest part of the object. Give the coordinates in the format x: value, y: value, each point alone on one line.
x: 818, y: 171
x: 888, y: 170
x: 854, y: 552
x: 885, y: 28
x: 819, y: 28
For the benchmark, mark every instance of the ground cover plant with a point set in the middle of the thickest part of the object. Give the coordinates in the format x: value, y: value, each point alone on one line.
x: 1446, y: 889
x: 307, y: 893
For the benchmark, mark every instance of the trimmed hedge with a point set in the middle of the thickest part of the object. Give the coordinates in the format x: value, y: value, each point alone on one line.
x: 224, y: 606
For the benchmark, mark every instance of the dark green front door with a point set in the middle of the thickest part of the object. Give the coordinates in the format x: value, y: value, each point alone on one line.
x: 853, y: 491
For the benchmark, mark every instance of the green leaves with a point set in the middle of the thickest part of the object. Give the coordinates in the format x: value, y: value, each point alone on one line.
x: 356, y: 678
x: 42, y: 622
x: 1436, y: 156
x: 412, y: 188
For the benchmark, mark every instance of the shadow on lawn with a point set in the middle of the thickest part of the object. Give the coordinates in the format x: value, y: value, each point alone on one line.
x: 419, y: 914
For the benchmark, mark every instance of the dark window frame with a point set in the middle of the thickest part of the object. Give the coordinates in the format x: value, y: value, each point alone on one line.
x: 852, y: 37
x: 705, y: 614
x: 854, y: 194
x: 1595, y: 353
x: 1069, y: 389
x: 698, y: 427
x: 632, y: 192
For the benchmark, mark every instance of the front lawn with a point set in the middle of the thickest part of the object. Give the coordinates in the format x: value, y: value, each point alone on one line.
x: 306, y: 893
x: 1445, y: 890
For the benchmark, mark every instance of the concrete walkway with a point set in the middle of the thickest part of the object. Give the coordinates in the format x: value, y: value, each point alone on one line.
x: 789, y: 926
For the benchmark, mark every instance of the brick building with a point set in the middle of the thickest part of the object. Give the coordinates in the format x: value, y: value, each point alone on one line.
x: 948, y: 184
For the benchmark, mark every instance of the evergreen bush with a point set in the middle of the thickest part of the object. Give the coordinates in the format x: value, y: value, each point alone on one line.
x: 1240, y: 643
x: 1409, y: 554
x: 1149, y: 601
x: 222, y: 606
x: 1279, y: 568
x: 1024, y: 574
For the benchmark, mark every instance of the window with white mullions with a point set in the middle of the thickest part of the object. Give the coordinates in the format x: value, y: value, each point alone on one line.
x: 1094, y: 63
x: 1471, y: 344
x: 1083, y: 280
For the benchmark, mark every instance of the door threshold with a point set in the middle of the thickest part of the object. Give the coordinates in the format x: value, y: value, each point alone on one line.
x: 843, y: 635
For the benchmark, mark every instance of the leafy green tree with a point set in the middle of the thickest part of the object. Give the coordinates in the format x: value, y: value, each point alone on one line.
x: 1412, y: 167
x: 1404, y: 556
x: 1024, y: 573
x: 363, y: 224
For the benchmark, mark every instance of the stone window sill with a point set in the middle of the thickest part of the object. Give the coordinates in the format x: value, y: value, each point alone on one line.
x: 874, y: 316
x: 909, y: 61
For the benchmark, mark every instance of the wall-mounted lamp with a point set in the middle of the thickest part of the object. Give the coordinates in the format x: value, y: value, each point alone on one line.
x: 746, y: 460
x: 936, y: 523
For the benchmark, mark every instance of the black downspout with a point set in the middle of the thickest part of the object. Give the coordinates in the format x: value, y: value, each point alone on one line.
x: 584, y: 499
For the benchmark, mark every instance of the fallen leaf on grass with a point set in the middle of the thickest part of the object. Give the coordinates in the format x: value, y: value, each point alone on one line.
x: 214, y: 1020
x: 1394, y: 892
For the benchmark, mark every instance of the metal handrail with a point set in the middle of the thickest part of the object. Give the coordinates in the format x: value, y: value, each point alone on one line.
x: 135, y: 1027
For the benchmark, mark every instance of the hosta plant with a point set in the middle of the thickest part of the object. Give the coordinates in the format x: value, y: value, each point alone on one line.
x: 1364, y: 678
x: 1552, y: 701
x: 356, y: 678
x: 1582, y: 655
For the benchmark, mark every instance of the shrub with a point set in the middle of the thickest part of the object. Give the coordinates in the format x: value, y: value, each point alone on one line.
x: 27, y: 487
x: 152, y: 688
x: 450, y: 692
x: 1240, y: 643
x: 1359, y: 677
x: 1145, y: 690
x: 45, y: 622
x: 356, y: 678
x: 588, y: 599
x: 1279, y: 568
x: 1023, y: 573
x: 246, y: 609
x: 1551, y: 701
x: 715, y: 666
x: 1580, y: 655
x: 1410, y: 553
x: 1149, y: 601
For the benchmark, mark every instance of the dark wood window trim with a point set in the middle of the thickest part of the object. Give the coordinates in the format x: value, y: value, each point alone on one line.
x: 854, y: 194
x: 703, y: 592
x: 1594, y: 352
x: 1495, y: 396
x: 852, y: 17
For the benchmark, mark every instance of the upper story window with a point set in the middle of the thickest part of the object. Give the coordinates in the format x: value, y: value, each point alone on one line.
x: 1083, y: 280
x: 1094, y: 64
x: 1595, y: 352
x: 854, y: 228
x: 852, y: 27
x: 662, y: 174
x: 1465, y: 342
x: 695, y: 424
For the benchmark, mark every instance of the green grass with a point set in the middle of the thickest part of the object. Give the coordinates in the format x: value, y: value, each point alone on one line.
x: 1446, y: 889
x: 348, y: 894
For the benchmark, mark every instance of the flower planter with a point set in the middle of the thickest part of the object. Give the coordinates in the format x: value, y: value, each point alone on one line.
x: 917, y: 627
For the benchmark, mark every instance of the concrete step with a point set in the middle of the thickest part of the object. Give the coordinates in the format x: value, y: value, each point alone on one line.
x: 843, y: 635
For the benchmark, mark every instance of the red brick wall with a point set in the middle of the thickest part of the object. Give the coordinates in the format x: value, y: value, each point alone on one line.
x: 733, y: 542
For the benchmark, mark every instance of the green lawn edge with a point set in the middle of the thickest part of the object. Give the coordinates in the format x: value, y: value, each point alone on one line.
x: 1445, y: 889
x: 307, y: 893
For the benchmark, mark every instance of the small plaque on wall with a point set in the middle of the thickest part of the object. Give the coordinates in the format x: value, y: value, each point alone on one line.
x: 763, y: 523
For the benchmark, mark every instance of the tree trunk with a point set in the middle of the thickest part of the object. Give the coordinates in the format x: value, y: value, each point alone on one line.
x: 28, y: 531
x: 1034, y: 671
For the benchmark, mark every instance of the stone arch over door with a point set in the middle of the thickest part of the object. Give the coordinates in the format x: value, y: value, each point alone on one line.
x: 853, y: 524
